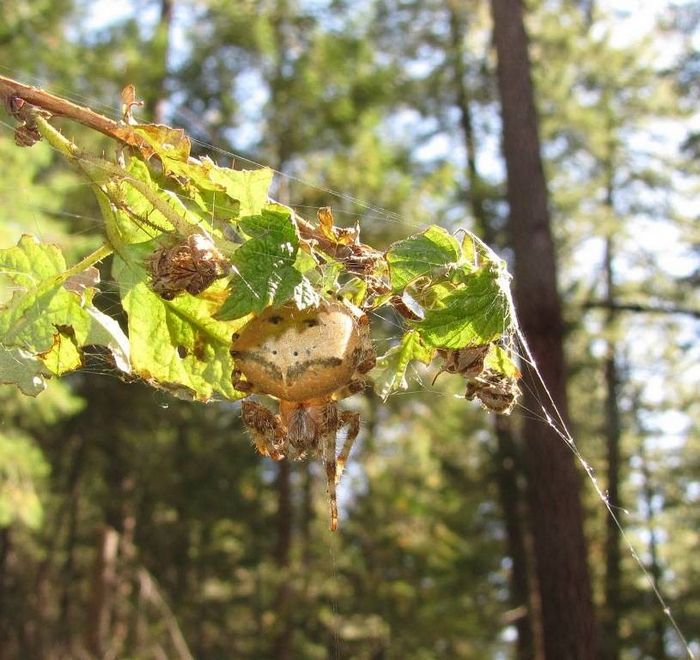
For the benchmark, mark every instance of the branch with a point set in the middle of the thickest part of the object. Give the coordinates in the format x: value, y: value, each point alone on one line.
x: 642, y: 308
x: 58, y: 106
x: 355, y: 257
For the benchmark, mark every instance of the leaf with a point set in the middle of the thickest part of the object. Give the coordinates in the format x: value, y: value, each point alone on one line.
x: 175, y: 344
x: 498, y: 359
x: 420, y: 255
x: 169, y: 144
x: 476, y: 313
x: 391, y: 367
x: 264, y: 265
x: 41, y: 303
x: 105, y: 331
x: 337, y: 235
x: 135, y: 217
x: 20, y: 368
x: 48, y: 320
x: 248, y: 187
x: 305, y: 295
x: 64, y: 355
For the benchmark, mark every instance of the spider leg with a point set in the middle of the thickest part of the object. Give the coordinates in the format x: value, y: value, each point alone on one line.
x: 328, y: 453
x: 266, y: 429
x: 353, y: 387
x: 352, y: 421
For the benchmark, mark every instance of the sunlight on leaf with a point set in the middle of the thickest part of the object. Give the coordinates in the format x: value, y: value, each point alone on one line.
x: 420, y: 255
x: 391, y: 367
x: 175, y: 344
x: 476, y: 313
x: 264, y: 265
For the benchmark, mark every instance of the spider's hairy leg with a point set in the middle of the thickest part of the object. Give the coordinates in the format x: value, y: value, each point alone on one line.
x: 352, y: 421
x: 265, y: 428
x: 328, y: 452
x: 353, y: 387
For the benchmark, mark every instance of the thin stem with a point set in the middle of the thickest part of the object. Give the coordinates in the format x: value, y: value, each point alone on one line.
x: 94, y: 257
x: 80, y: 159
x: 60, y: 107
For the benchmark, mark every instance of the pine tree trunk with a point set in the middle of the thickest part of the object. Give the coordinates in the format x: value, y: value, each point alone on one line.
x: 658, y: 646
x: 282, y: 644
x: 99, y: 624
x: 553, y: 486
x: 523, y: 595
x: 5, y: 544
x: 611, y: 613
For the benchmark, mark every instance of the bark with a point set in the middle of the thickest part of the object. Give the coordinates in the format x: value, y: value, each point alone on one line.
x: 524, y: 598
x: 553, y: 486
x: 613, y: 432
x: 99, y: 626
x: 282, y: 646
x: 5, y: 545
x: 658, y: 645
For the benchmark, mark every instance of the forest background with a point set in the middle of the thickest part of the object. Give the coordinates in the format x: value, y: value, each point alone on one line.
x: 138, y: 525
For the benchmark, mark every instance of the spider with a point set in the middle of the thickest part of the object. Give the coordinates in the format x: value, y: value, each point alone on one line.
x: 308, y: 359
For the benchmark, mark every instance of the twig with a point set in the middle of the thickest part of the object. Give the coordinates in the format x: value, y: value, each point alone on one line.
x: 642, y: 308
x: 59, y: 107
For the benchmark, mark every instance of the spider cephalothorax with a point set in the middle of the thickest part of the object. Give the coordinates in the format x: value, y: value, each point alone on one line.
x: 308, y: 359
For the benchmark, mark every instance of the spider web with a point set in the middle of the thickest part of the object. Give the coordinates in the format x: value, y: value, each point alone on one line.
x: 97, y: 362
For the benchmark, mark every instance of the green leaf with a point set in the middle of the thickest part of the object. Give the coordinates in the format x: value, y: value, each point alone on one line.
x: 28, y: 373
x: 264, y: 272
x: 171, y: 145
x: 498, y: 359
x: 176, y: 344
x: 138, y: 210
x: 476, y: 313
x: 248, y: 187
x: 51, y: 316
x: 422, y: 254
x: 391, y: 367
x: 41, y: 303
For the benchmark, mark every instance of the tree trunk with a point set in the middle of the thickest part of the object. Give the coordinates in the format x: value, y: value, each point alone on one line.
x: 282, y: 649
x: 658, y: 646
x: 5, y: 545
x: 99, y: 623
x: 524, y: 598
x: 611, y: 613
x: 553, y: 487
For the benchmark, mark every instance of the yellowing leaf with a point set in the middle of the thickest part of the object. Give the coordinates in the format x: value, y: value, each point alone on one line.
x: 391, y: 367
x: 175, y: 344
